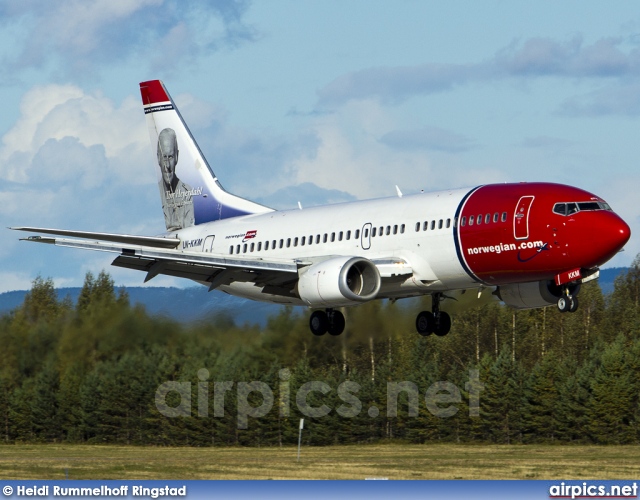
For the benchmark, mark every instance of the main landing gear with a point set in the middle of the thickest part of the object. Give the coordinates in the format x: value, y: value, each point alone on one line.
x: 436, y: 321
x: 330, y: 320
x: 567, y: 302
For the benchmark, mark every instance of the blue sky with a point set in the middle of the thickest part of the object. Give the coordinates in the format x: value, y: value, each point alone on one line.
x: 320, y: 101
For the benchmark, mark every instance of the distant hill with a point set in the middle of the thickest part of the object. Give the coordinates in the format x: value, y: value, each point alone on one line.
x: 197, y: 304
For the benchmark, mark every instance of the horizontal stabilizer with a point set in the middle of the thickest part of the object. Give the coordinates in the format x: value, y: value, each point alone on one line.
x: 147, y: 241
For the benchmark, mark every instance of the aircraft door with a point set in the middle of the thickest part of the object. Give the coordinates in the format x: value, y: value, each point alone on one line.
x: 207, y: 246
x: 521, y: 218
x: 365, y: 237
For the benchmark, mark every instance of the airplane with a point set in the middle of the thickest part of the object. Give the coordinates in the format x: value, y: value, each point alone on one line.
x: 528, y: 245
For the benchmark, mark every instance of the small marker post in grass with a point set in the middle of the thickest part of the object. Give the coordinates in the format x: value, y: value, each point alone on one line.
x: 300, y: 437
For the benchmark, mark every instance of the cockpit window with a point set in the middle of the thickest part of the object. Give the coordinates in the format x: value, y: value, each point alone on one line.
x: 572, y: 208
x: 589, y: 205
x: 560, y: 208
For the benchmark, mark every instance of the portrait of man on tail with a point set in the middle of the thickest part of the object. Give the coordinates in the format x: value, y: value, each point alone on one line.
x: 176, y: 196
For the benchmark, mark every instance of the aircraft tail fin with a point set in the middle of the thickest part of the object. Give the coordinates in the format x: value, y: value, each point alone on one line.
x: 189, y: 190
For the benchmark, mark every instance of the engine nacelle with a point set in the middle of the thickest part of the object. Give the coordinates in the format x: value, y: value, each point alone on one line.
x: 532, y: 295
x: 339, y: 281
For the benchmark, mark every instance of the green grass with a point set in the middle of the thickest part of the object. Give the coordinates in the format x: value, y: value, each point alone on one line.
x: 394, y: 461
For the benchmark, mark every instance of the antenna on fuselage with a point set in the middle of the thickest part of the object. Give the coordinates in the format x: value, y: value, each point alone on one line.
x: 398, y: 191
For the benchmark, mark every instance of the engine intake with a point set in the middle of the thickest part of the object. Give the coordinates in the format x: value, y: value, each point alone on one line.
x: 339, y: 281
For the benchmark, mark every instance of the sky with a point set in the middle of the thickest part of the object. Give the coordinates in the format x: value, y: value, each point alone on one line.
x: 311, y: 101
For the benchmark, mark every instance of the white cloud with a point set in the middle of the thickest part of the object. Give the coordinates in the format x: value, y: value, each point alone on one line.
x: 81, y: 35
x: 56, y: 117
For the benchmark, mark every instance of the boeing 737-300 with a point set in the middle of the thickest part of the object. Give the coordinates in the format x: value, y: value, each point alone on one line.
x: 528, y: 245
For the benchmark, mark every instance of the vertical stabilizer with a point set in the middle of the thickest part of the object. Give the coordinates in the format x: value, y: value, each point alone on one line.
x: 189, y: 190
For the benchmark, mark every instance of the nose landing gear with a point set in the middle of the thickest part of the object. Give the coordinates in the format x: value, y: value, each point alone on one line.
x: 331, y: 321
x: 567, y: 302
x: 436, y: 321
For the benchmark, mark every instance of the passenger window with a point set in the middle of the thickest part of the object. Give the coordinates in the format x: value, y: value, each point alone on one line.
x: 253, y: 246
x: 504, y: 217
x: 471, y: 220
x: 487, y: 218
x: 281, y: 243
x: 464, y: 221
x: 317, y: 239
x: 302, y: 241
x: 479, y: 219
x: 333, y: 237
x: 425, y: 226
x: 417, y: 227
x: 440, y: 224
x: 366, y: 233
x: 402, y: 229
x: 388, y: 230
x: 266, y: 245
x: 231, y: 249
x: 244, y: 248
x: 288, y: 242
x: 357, y: 235
x: 238, y: 249
x: 348, y: 235
x: 373, y: 232
x: 433, y: 225
x: 295, y: 242
x: 324, y: 238
x: 448, y: 223
x: 340, y: 236
x: 259, y: 246
x: 381, y: 233
x: 495, y: 217
x: 395, y: 229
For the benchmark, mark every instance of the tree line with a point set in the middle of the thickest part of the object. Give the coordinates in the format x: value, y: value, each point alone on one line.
x: 104, y: 371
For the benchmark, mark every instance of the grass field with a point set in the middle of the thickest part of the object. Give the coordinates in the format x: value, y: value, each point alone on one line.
x: 393, y: 461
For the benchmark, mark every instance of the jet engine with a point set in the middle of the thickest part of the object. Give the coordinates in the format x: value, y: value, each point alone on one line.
x: 339, y: 281
x: 532, y: 295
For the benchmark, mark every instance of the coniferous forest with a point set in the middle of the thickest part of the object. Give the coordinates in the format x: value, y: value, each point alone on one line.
x: 91, y: 372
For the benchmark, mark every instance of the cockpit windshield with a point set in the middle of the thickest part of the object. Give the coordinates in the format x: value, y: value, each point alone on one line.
x: 572, y: 208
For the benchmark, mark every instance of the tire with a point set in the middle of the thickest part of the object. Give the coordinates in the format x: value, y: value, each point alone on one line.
x: 563, y: 304
x: 336, y: 323
x: 443, y: 324
x: 425, y: 324
x: 573, y: 304
x: 318, y: 323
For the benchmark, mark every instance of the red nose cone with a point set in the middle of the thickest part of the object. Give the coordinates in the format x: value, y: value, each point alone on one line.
x: 610, y: 233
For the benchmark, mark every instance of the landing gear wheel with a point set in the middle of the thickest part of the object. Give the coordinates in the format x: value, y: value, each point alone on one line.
x: 336, y: 322
x: 573, y: 306
x: 319, y: 323
x: 563, y: 304
x: 443, y: 324
x: 425, y: 324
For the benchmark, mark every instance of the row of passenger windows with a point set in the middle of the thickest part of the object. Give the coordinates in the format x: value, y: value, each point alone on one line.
x: 477, y: 219
x: 317, y: 239
x: 440, y: 224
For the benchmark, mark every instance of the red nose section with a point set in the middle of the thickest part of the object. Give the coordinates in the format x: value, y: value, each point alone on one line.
x: 609, y: 234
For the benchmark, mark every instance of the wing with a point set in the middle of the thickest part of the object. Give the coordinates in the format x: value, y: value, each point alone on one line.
x: 157, y: 255
x: 160, y: 255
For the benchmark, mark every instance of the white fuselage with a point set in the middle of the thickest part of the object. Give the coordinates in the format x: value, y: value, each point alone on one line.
x: 348, y: 229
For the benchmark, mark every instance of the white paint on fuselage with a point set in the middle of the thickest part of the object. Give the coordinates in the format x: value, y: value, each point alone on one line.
x: 431, y: 253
